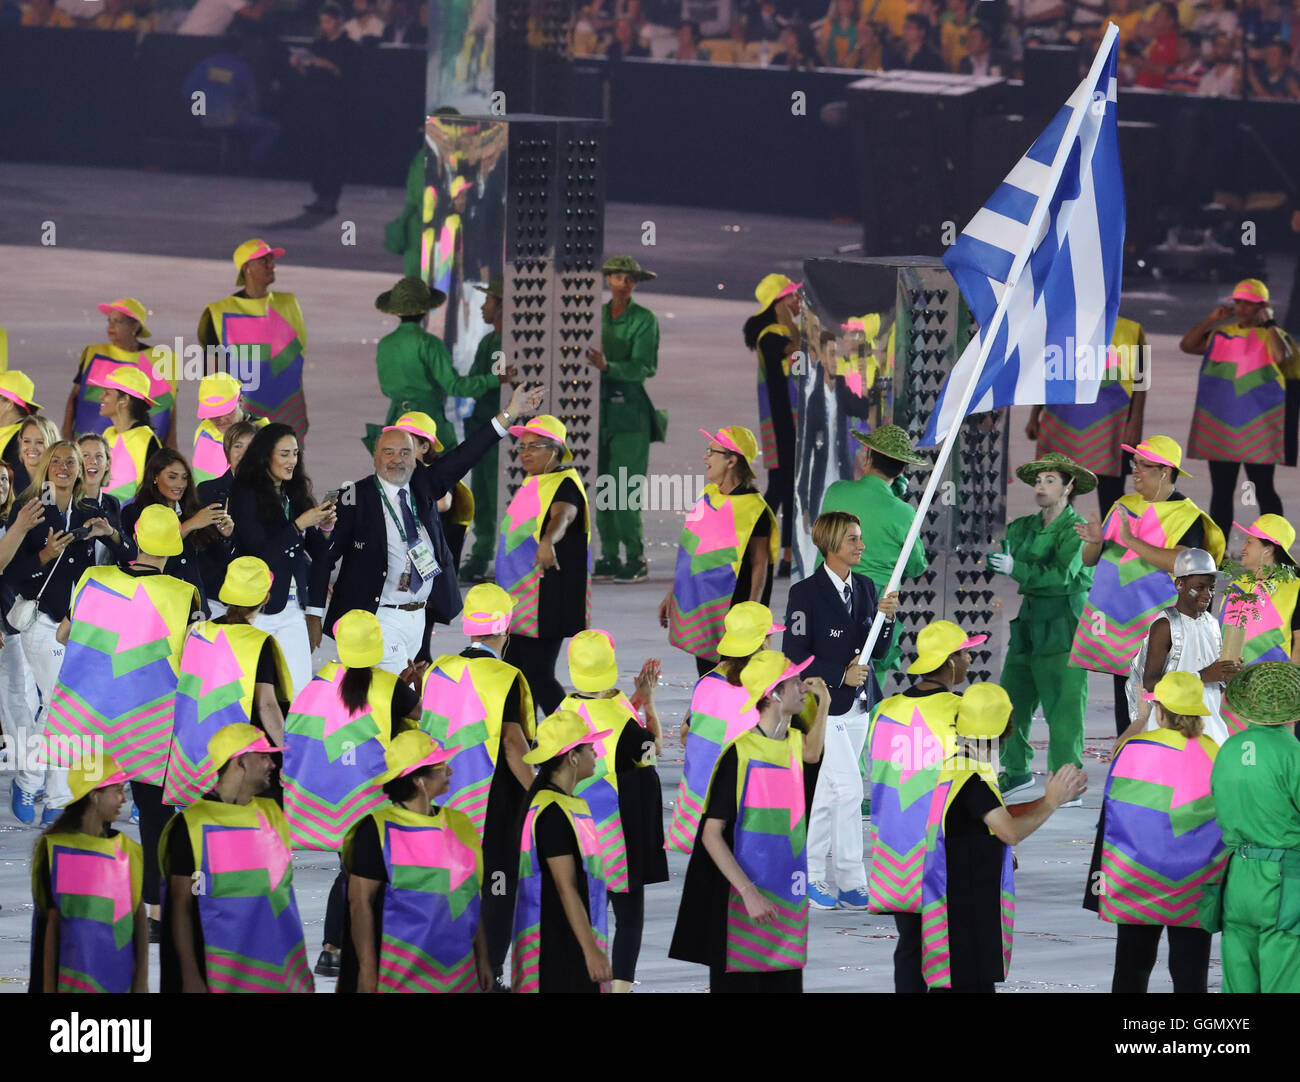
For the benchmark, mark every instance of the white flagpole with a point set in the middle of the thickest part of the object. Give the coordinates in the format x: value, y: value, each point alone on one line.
x: 990, y: 333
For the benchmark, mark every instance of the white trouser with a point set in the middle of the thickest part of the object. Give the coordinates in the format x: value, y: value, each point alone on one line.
x: 289, y: 629
x: 18, y: 698
x: 44, y: 654
x: 403, y: 637
x: 835, y: 824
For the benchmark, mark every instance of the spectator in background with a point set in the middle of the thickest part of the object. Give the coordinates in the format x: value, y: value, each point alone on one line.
x: 763, y: 23
x: 954, y: 24
x: 1162, y: 53
x: 1272, y: 77
x: 328, y: 68
x: 115, y: 16
x: 915, y: 53
x: 870, y: 55
x: 979, y: 58
x: 1127, y: 17
x: 839, y: 35
x: 404, y: 27
x: 1185, y: 78
x: 231, y: 99
x: 1038, y: 20
x: 1219, y: 18
x: 688, y: 42
x: 365, y: 22
x: 797, y: 50
x: 43, y: 13
x: 1261, y: 21
x: 1223, y: 79
x: 210, y: 18
x: 625, y: 42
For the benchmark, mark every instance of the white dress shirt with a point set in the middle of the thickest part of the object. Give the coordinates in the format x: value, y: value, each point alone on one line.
x: 397, y: 549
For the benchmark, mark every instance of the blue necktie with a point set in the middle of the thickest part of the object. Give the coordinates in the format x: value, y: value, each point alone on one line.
x: 848, y: 598
x: 412, y: 530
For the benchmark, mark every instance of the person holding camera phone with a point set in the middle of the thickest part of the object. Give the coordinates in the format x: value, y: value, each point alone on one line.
x: 49, y: 562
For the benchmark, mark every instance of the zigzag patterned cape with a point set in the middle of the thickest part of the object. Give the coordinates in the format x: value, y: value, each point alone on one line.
x: 526, y: 960
x: 156, y: 362
x: 1127, y: 591
x: 1160, y: 841
x: 243, y: 891
x: 431, y: 900
x: 907, y: 743
x: 272, y: 327
x: 334, y: 758
x: 464, y: 699
x: 94, y: 884
x: 936, y: 951
x: 709, y: 554
x: 118, y: 680
x: 217, y: 678
x: 1240, y: 400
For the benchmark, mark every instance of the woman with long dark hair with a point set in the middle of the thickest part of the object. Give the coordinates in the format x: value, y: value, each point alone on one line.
x: 81, y: 858
x: 278, y: 520
x: 396, y: 921
x: 206, y: 532
x: 126, y: 403
x: 772, y: 333
x: 560, y: 918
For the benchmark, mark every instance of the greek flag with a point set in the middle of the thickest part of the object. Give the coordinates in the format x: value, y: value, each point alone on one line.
x: 1060, y: 216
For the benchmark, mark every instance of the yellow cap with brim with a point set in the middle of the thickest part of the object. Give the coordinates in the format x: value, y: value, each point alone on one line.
x: 747, y: 627
x: 94, y: 772
x: 551, y: 428
x: 764, y: 672
x: 937, y: 642
x: 592, y: 664
x: 984, y: 712
x: 1162, y: 450
x: 772, y: 288
x: 247, y: 582
x: 1251, y: 289
x: 735, y: 438
x: 1271, y: 528
x: 218, y: 395
x: 1179, y: 693
x: 18, y: 387
x: 417, y: 424
x: 125, y: 378
x: 158, y: 531
x: 562, y: 732
x: 360, y: 639
x: 128, y: 306
x: 487, y: 610
x: 410, y: 750
x: 252, y: 249
x: 231, y: 741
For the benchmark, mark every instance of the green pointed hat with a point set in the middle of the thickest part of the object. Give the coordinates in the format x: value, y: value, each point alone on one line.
x: 892, y: 442
x: 1084, y: 480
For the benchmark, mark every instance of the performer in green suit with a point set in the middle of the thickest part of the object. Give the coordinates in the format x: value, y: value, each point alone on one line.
x: 1044, y: 556
x: 629, y: 355
x: 483, y: 477
x: 1256, y: 787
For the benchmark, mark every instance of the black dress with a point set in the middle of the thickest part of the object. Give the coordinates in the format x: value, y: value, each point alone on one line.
x: 562, y: 967
x: 562, y: 593
x: 640, y: 808
x: 701, y: 932
x: 974, y: 890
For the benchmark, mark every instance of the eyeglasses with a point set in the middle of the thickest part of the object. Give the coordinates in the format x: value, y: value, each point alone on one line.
x: 532, y: 447
x: 715, y: 451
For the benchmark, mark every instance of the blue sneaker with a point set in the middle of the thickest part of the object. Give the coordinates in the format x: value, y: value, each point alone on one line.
x: 820, y: 896
x: 853, y: 899
x: 134, y: 820
x: 23, y: 804
x: 49, y: 815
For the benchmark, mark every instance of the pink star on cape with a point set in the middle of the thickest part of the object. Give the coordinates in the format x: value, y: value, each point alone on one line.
x: 242, y: 850
x: 134, y: 619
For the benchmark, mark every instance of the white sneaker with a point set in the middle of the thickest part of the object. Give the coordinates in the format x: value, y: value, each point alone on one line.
x: 1077, y: 802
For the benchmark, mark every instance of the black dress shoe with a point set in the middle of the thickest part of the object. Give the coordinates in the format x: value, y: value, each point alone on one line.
x: 329, y: 963
x: 155, y: 930
x: 783, y: 571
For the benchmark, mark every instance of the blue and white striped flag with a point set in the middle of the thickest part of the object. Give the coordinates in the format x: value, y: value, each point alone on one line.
x: 1050, y: 346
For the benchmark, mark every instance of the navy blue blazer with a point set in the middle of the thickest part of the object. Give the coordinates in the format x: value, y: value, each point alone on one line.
x: 818, y: 624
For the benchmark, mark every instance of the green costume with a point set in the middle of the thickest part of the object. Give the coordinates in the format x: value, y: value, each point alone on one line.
x: 483, y: 477
x: 1054, y: 587
x: 885, y: 521
x: 627, y: 425
x: 402, y: 234
x: 416, y: 373
x: 1256, y: 786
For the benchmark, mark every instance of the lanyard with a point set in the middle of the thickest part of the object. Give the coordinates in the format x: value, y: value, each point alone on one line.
x: 401, y: 532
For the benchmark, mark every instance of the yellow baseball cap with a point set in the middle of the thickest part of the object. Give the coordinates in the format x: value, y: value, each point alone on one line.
x: 937, y: 642
x: 158, y: 531
x: 418, y: 424
x: 764, y: 671
x: 408, y: 751
x: 592, y: 664
x: 125, y: 378
x: 252, y: 249
x: 218, y: 394
x: 1179, y: 693
x: 561, y: 732
x: 735, y: 438
x: 984, y: 712
x: 552, y: 428
x: 1251, y: 289
x: 747, y: 627
x: 17, y: 387
x: 487, y: 610
x: 772, y: 288
x: 231, y: 741
x: 94, y: 772
x: 360, y: 639
x: 247, y: 582
x: 128, y: 306
x: 1272, y: 528
x: 1160, y: 449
